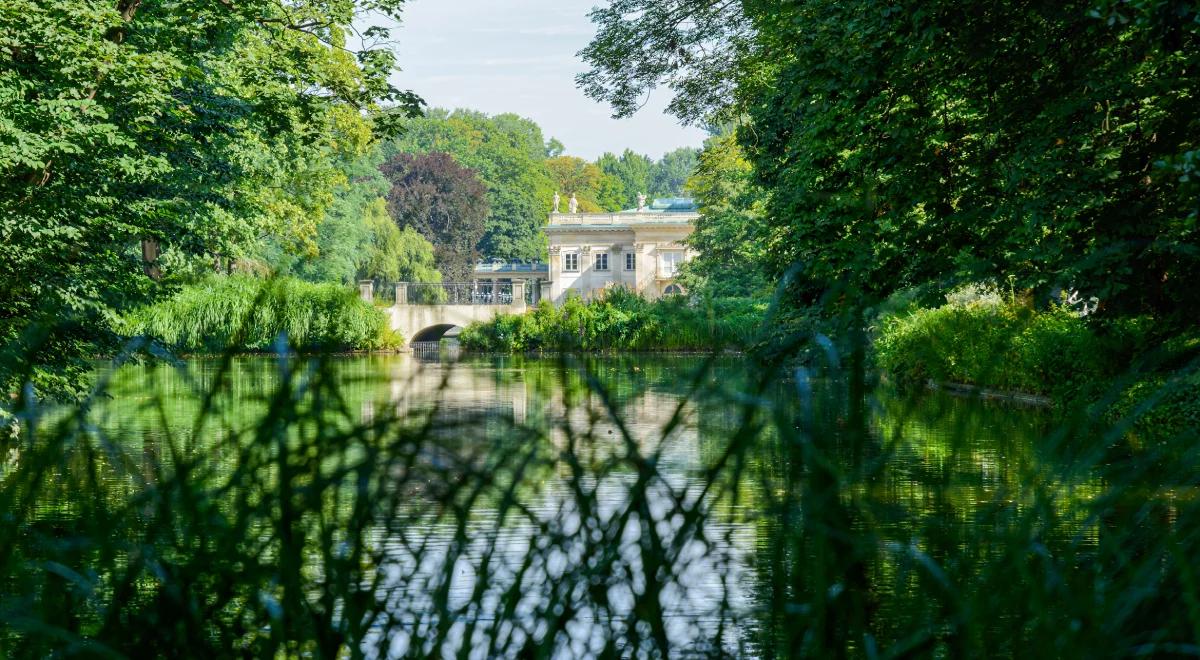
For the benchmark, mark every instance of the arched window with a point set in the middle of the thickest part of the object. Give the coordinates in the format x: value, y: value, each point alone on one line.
x: 673, y: 290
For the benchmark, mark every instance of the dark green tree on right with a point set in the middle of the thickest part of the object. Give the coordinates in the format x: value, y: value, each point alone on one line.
x: 1051, y: 144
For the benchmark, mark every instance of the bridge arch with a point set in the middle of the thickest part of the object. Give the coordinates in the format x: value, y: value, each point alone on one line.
x: 433, y: 332
x: 419, y: 319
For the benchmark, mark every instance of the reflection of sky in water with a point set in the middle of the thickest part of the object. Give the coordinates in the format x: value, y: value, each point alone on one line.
x: 548, y: 560
x: 702, y: 587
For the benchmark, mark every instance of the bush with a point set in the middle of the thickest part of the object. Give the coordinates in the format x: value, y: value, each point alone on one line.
x: 988, y: 342
x: 1163, y: 401
x: 249, y: 314
x: 621, y: 320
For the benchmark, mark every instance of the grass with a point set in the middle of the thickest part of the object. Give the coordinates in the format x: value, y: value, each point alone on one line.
x: 250, y: 314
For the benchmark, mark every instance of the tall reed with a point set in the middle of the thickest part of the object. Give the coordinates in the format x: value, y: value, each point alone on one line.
x: 317, y: 528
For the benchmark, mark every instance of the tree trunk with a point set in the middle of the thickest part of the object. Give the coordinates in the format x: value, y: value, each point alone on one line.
x: 150, y: 252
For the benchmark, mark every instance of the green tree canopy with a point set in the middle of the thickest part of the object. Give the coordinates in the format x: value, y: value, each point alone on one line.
x: 633, y: 170
x: 342, y: 237
x: 730, y: 235
x: 394, y: 254
x: 134, y: 137
x: 443, y: 201
x: 669, y: 176
x: 936, y: 142
x: 508, y: 153
x: 595, y: 190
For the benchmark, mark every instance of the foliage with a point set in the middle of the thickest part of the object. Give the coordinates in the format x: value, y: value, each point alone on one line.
x: 343, y: 238
x: 905, y: 144
x: 634, y: 174
x: 189, y: 128
x: 633, y: 170
x: 595, y: 190
x: 1159, y: 407
x: 357, y: 238
x: 242, y: 313
x: 508, y: 153
x: 991, y: 343
x: 445, y: 202
x: 1158, y: 401
x: 621, y: 320
x: 696, y: 47
x: 729, y: 235
x: 669, y: 176
x: 396, y: 255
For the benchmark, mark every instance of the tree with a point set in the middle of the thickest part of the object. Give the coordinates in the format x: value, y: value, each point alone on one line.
x: 137, y: 139
x: 698, y: 48
x: 632, y: 170
x: 937, y: 142
x: 669, y: 176
x: 508, y: 153
x: 941, y: 150
x: 394, y: 254
x: 342, y: 236
x: 730, y: 234
x: 595, y: 190
x: 444, y: 202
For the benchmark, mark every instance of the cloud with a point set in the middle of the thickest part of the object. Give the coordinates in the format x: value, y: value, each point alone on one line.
x: 519, y: 56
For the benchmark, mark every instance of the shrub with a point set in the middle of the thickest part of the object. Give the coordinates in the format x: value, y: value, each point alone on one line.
x: 249, y: 314
x: 1163, y: 401
x: 988, y: 342
x: 621, y: 320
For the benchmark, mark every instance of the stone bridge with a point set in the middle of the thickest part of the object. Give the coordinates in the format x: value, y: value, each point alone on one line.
x: 426, y: 312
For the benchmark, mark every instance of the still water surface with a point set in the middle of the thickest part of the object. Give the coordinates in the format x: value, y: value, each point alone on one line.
x: 828, y: 517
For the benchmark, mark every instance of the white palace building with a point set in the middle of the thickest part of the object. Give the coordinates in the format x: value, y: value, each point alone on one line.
x: 641, y: 249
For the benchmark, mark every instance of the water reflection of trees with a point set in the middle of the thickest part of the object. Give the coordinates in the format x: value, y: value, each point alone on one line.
x: 508, y: 507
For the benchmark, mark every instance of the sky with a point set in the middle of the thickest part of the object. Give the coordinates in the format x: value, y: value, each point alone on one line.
x: 520, y: 56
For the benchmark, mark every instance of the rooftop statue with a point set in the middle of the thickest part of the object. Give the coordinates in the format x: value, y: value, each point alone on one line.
x: 641, y: 202
x: 556, y: 200
x: 573, y: 206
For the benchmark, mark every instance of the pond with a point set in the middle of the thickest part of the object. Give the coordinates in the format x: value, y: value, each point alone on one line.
x: 625, y: 506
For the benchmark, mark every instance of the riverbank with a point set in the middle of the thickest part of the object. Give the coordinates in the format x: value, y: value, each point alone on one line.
x: 1129, y: 372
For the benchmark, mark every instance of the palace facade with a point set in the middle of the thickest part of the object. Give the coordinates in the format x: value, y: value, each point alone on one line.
x: 640, y: 249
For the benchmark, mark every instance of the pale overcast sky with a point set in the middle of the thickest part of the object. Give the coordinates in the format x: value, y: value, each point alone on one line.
x: 519, y: 56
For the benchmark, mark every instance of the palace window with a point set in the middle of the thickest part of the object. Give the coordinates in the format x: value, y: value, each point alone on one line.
x: 673, y: 290
x: 570, y: 262
x: 601, y: 261
x: 630, y: 261
x: 669, y: 262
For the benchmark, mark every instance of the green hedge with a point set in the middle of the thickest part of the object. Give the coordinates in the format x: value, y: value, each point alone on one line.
x: 993, y: 344
x: 1124, y: 370
x: 245, y: 313
x: 622, y: 320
